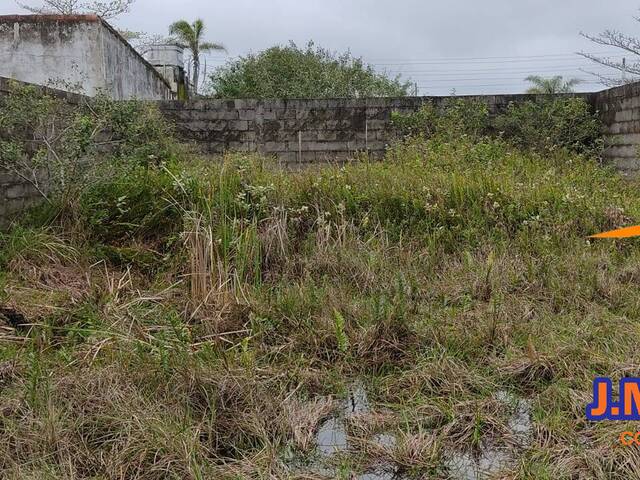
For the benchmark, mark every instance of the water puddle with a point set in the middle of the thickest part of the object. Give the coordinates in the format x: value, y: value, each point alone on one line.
x: 491, y: 459
x: 331, y: 439
x: 379, y: 475
x: 467, y: 466
x: 358, y: 402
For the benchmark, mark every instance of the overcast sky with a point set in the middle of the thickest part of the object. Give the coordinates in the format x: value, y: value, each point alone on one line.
x: 439, y: 44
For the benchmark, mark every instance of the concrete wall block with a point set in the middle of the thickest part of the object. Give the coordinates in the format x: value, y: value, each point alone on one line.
x: 8, y: 178
x: 275, y: 146
x: 628, y: 127
x: 293, y: 125
x: 240, y: 147
x: 287, y: 157
x: 272, y: 104
x: 612, y: 129
x: 245, y: 104
x: 239, y: 125
x: 335, y: 125
x: 624, y: 116
x: 215, y: 147
x: 286, y: 114
x: 378, y: 125
x: 327, y: 146
x: 354, y: 145
x: 308, y: 157
x: 229, y: 115
x: 302, y: 113
x: 623, y: 151
x: 280, y: 136
x: 327, y: 136
x: 384, y: 135
x: 377, y: 145
x: 624, y: 139
x: 626, y: 165
x: 305, y: 135
x: 270, y: 114
x: 249, y: 136
x: 247, y: 114
x: 16, y: 191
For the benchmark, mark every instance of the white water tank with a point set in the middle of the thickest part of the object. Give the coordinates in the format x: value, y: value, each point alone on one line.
x: 168, y: 59
x: 170, y: 54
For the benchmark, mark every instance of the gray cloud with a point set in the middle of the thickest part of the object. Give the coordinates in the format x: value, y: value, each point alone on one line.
x: 397, y: 33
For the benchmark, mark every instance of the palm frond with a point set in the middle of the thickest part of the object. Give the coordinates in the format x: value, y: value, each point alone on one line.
x: 184, y: 32
x: 208, y: 46
x: 198, y: 28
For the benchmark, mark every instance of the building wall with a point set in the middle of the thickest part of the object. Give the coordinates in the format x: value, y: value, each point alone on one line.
x: 127, y: 74
x: 64, y: 52
x: 79, y: 53
x: 303, y: 131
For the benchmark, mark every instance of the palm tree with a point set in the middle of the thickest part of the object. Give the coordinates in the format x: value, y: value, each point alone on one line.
x: 191, y: 36
x: 551, y: 85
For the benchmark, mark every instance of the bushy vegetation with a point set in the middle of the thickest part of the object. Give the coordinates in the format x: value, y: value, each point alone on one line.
x: 195, y: 319
x: 542, y: 125
x: 294, y: 72
x: 51, y: 144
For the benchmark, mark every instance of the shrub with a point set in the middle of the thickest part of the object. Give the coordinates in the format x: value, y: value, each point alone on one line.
x: 543, y: 125
x: 453, y: 119
x: 293, y: 72
x: 52, y: 144
x: 136, y: 203
x: 565, y: 122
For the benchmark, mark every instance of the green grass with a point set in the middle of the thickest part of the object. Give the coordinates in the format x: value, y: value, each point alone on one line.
x: 202, y: 320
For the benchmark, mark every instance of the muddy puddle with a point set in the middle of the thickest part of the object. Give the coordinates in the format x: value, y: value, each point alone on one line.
x: 490, y: 460
x: 332, y: 438
x: 332, y: 441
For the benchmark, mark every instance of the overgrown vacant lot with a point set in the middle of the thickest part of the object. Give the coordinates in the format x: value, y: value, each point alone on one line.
x: 422, y: 317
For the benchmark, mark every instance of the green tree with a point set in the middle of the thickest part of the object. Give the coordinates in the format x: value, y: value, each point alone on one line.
x: 293, y: 72
x: 551, y: 85
x: 191, y: 36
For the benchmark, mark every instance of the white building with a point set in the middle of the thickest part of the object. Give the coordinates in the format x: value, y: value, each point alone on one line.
x: 78, y: 53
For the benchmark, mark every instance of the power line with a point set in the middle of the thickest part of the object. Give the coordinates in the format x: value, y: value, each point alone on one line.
x: 497, y: 62
x: 451, y: 86
x: 491, y: 71
x: 458, y: 79
x: 554, y: 56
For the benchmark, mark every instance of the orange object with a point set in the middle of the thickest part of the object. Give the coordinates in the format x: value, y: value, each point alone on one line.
x: 620, y: 233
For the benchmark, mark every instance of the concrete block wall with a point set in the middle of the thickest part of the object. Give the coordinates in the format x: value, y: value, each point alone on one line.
x: 619, y: 109
x: 16, y: 193
x: 303, y: 131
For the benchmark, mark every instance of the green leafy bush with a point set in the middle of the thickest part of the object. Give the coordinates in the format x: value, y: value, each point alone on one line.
x: 543, y: 125
x: 293, y: 72
x: 136, y: 203
x: 54, y: 145
x: 565, y: 122
x: 455, y: 118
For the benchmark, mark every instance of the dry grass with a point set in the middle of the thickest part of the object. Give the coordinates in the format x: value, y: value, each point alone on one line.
x: 439, y: 279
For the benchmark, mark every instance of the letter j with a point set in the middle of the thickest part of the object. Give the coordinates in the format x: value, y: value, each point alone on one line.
x: 599, y: 409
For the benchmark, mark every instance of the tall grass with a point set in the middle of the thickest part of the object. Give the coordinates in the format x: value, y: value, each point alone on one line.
x: 202, y: 320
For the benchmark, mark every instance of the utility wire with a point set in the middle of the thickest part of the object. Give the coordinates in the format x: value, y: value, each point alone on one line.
x: 499, y: 57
